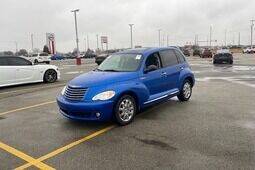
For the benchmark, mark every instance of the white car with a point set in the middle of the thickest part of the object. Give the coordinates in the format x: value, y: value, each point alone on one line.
x: 17, y: 70
x: 249, y: 50
x: 39, y: 58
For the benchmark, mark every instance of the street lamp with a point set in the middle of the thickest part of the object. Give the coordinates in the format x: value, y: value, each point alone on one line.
x: 252, y: 25
x: 78, y: 59
x: 131, y: 35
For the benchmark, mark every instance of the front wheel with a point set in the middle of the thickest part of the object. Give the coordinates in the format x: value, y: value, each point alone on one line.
x: 186, y: 91
x: 125, y: 110
x: 50, y: 76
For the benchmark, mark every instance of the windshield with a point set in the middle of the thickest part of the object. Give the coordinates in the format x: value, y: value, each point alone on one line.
x: 121, y: 62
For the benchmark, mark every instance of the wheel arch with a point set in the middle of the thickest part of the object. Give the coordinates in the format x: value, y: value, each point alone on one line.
x: 191, y: 80
x: 130, y: 93
x: 189, y: 77
x: 46, y: 72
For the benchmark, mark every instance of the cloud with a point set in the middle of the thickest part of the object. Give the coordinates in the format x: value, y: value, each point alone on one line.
x: 180, y: 19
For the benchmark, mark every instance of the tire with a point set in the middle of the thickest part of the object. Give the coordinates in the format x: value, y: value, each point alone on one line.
x: 50, y: 76
x: 125, y: 110
x: 47, y: 62
x: 36, y: 61
x: 214, y: 62
x: 186, y: 91
x: 230, y: 62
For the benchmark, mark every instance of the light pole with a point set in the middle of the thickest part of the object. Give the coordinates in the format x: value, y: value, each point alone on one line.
x: 210, y: 37
x: 167, y: 40
x: 78, y: 59
x: 131, y: 35
x: 85, y: 45
x: 16, y: 45
x: 159, y: 37
x: 239, y: 38
x: 97, y: 42
x: 252, y: 33
x: 225, y: 38
x: 88, y: 41
x: 32, y: 41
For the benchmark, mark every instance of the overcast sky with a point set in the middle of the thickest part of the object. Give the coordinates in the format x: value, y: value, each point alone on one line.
x: 180, y: 19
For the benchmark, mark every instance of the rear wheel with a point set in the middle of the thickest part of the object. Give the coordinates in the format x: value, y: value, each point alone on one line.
x: 36, y: 61
x: 186, y: 91
x: 125, y: 110
x: 50, y: 76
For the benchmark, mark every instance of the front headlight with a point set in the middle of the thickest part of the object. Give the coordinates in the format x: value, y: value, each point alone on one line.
x: 63, y: 90
x: 104, y: 95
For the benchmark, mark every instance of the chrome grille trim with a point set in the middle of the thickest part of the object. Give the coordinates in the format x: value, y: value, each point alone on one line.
x: 75, y: 93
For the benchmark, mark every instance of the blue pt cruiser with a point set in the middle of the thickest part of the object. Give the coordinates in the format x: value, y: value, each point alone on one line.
x: 125, y: 83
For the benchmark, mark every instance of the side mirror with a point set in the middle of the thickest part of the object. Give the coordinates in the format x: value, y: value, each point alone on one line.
x: 150, y: 68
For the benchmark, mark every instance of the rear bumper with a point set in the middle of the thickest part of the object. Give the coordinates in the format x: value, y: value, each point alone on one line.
x: 85, y: 110
x: 227, y: 60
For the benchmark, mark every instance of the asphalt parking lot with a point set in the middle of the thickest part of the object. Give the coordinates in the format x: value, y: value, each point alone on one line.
x: 214, y: 130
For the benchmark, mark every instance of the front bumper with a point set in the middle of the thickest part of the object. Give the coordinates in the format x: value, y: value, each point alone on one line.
x: 83, y: 110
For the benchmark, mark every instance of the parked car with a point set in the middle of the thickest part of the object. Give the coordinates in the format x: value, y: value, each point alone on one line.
x: 89, y: 54
x: 100, y: 58
x: 17, y: 70
x: 186, y: 52
x: 249, y: 50
x: 57, y: 57
x: 125, y: 83
x: 207, y: 53
x: 197, y: 52
x: 223, y: 57
x: 39, y: 58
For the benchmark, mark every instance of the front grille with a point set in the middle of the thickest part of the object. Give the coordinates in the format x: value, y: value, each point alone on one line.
x: 75, y: 93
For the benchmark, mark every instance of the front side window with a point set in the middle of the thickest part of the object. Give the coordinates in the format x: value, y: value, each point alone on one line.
x: 121, y: 62
x: 17, y: 61
x: 153, y: 59
x: 169, y: 58
x: 43, y: 54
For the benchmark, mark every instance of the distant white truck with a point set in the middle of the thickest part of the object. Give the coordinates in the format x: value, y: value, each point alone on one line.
x: 39, y: 58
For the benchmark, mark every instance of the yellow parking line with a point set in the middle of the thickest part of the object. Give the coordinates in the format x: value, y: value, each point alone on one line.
x: 28, y: 107
x: 31, y: 88
x: 67, y: 147
x: 24, y: 156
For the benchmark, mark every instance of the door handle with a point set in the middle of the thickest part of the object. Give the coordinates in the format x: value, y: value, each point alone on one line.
x: 163, y: 74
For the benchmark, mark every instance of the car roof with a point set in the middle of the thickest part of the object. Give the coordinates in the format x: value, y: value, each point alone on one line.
x: 146, y: 50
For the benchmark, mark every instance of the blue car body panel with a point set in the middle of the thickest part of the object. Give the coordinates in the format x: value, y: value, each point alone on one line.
x: 147, y: 88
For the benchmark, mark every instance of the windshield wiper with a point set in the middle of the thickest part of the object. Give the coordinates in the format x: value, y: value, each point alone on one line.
x: 111, y: 70
x: 97, y: 69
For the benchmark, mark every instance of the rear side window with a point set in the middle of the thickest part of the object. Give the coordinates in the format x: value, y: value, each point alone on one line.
x: 3, y: 61
x: 17, y: 61
x: 43, y: 54
x: 181, y: 58
x: 168, y: 57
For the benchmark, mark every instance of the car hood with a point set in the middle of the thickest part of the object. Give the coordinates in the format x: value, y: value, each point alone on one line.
x: 97, y: 78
